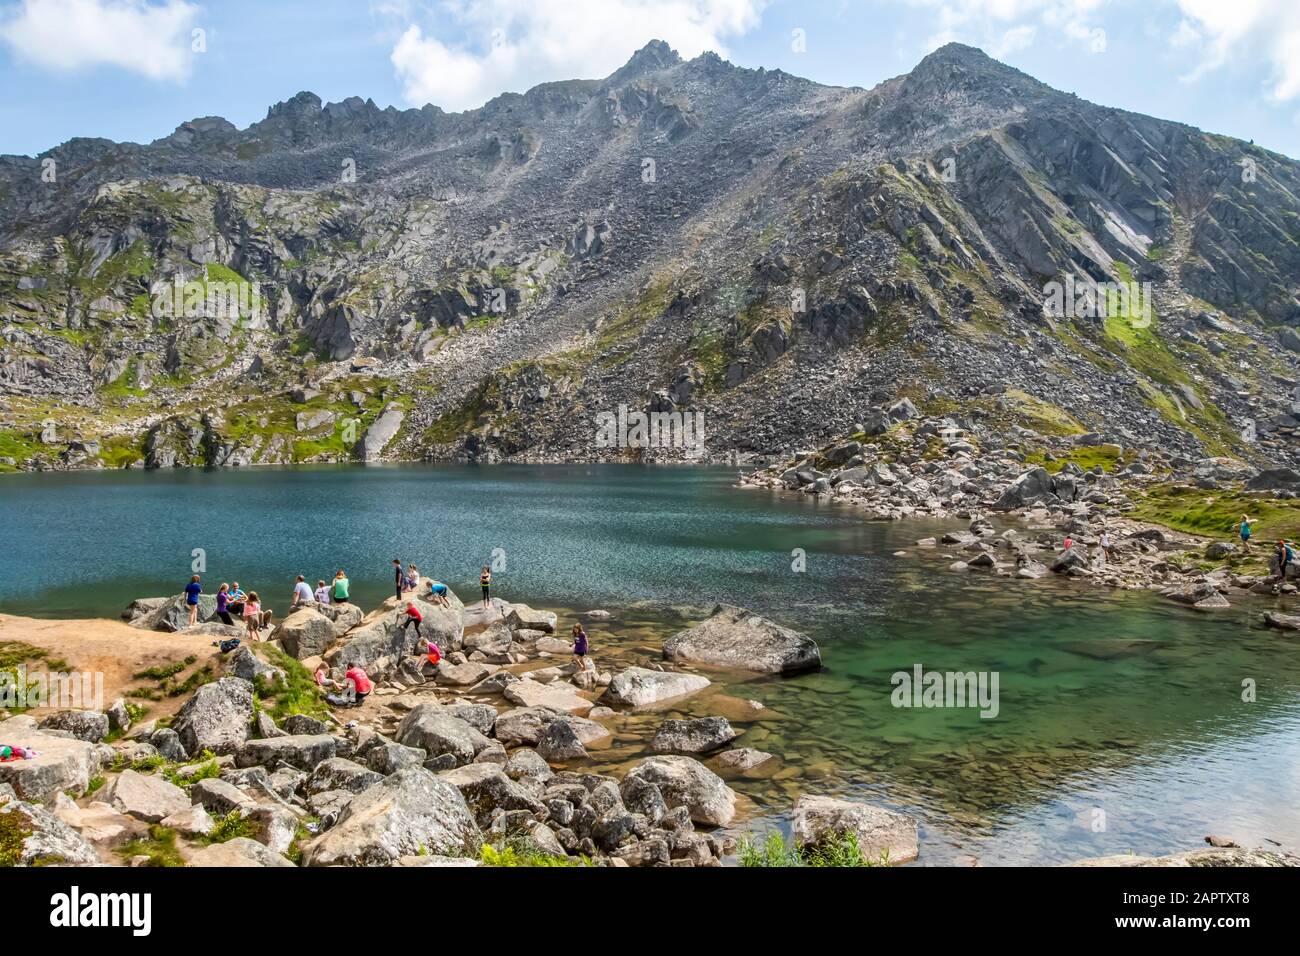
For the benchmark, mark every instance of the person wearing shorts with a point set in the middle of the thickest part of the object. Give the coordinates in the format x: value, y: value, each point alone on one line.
x: 1245, y: 531
x: 438, y: 593
x: 253, y: 616
x: 192, y: 592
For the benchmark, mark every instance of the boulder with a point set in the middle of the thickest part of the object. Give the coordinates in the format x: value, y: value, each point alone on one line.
x: 525, y: 764
x: 639, y: 686
x: 381, y: 641
x: 389, y: 758
x: 559, y: 744
x: 494, y: 683
x: 735, y: 638
x: 685, y: 782
x: 881, y: 833
x: 97, y: 823
x: 63, y: 764
x: 173, y: 614
x: 194, y: 821
x: 239, y: 852
x: 303, y: 751
x: 695, y: 736
x: 217, y: 717
x: 219, y: 797
x: 486, y: 789
x: 306, y: 632
x: 88, y: 725
x: 529, y: 693
x: 493, y: 639
x: 410, y: 813
x: 460, y: 675
x: 523, y: 726
x: 246, y: 665
x: 1283, y: 622
x: 524, y: 618
x: 144, y: 797
x: 429, y: 728
x: 744, y: 758
x: 30, y: 835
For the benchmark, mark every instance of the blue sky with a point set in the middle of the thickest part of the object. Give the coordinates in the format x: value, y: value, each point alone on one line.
x: 135, y: 69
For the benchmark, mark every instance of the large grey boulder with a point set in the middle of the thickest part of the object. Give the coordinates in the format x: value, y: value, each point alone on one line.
x: 639, y: 686
x: 144, y: 797
x: 64, y: 764
x: 530, y: 693
x: 486, y: 788
x: 430, y: 728
x: 410, y: 813
x: 736, y: 638
x: 217, y: 717
x: 381, y: 642
x: 305, y: 633
x: 695, y: 736
x: 685, y: 782
x: 882, y: 834
x: 172, y: 614
x: 524, y: 726
x: 88, y: 725
x: 303, y: 751
x: 36, y: 837
x: 239, y: 852
x: 339, y: 773
x: 559, y: 744
x: 524, y: 618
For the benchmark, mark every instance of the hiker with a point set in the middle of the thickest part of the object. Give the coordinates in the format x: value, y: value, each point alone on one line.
x: 413, y: 616
x: 438, y: 593
x: 322, y: 594
x: 1069, y: 543
x: 253, y: 616
x: 192, y: 592
x: 579, y: 647
x: 323, y: 679
x: 412, y: 577
x: 485, y: 581
x: 340, y: 588
x: 1282, y: 557
x: 1103, y: 548
x: 237, y: 599
x: 301, y: 592
x: 223, y: 604
x: 1246, y: 530
x: 399, y: 579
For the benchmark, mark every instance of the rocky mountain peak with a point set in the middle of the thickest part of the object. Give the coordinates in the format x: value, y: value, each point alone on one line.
x: 655, y: 55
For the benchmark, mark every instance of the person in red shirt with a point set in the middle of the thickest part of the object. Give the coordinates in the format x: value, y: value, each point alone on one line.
x: 358, y: 685
x: 413, y: 616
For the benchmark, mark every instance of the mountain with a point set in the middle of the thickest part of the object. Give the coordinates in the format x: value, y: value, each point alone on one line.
x: 784, y: 257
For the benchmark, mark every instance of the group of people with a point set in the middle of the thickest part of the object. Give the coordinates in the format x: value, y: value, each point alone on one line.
x: 232, y: 602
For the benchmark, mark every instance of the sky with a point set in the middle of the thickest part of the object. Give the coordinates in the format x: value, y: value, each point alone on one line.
x: 133, y: 70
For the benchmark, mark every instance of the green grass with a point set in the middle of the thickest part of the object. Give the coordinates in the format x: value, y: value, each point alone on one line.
x: 1043, y: 417
x: 1087, y: 457
x: 297, y: 694
x: 229, y: 827
x: 15, y: 654
x: 1217, y: 513
x: 838, y: 851
x: 159, y: 847
x: 524, y: 856
x: 162, y: 672
x: 15, y: 828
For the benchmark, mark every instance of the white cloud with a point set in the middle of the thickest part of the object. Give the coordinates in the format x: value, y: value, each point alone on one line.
x: 1244, y: 31
x: 516, y: 44
x: 152, y: 39
x: 1004, y: 26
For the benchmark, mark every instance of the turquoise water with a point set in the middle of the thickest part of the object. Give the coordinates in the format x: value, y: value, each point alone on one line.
x: 1121, y: 723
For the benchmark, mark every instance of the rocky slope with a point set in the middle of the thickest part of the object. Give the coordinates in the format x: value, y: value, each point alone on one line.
x: 783, y: 257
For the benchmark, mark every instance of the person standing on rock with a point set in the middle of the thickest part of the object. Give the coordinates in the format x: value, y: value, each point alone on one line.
x: 1103, y: 548
x: 1245, y: 531
x: 322, y: 594
x: 253, y: 616
x: 192, y: 592
x: 340, y: 588
x: 399, y: 579
x: 301, y: 592
x: 580, y: 647
x: 223, y: 605
x: 1281, y: 558
x: 485, y: 582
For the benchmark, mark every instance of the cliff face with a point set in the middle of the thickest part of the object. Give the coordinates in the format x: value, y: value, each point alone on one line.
x: 341, y: 281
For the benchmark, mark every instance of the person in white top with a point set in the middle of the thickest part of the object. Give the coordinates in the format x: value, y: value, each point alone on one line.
x: 301, y: 592
x: 322, y: 593
x: 1103, y: 548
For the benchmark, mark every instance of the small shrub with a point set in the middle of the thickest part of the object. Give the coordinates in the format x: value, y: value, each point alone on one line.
x: 160, y: 847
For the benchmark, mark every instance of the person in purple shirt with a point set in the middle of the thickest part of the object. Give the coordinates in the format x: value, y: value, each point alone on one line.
x: 223, y: 604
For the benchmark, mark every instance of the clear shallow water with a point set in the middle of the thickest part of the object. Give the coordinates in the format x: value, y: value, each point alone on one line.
x: 1119, y: 703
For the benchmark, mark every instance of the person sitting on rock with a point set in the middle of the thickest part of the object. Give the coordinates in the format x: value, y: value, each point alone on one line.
x: 322, y: 594
x: 302, y: 593
x: 412, y: 577
x: 237, y: 599
x: 432, y: 653
x: 340, y: 587
x: 438, y: 593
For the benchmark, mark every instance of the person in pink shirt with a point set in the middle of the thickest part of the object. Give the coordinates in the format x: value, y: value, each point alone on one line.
x: 253, y: 616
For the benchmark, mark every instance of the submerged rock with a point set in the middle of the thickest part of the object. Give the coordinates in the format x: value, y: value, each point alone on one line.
x: 735, y: 637
x: 639, y: 686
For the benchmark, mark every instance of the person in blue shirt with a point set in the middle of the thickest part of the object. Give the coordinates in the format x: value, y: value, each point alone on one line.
x: 192, y: 592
